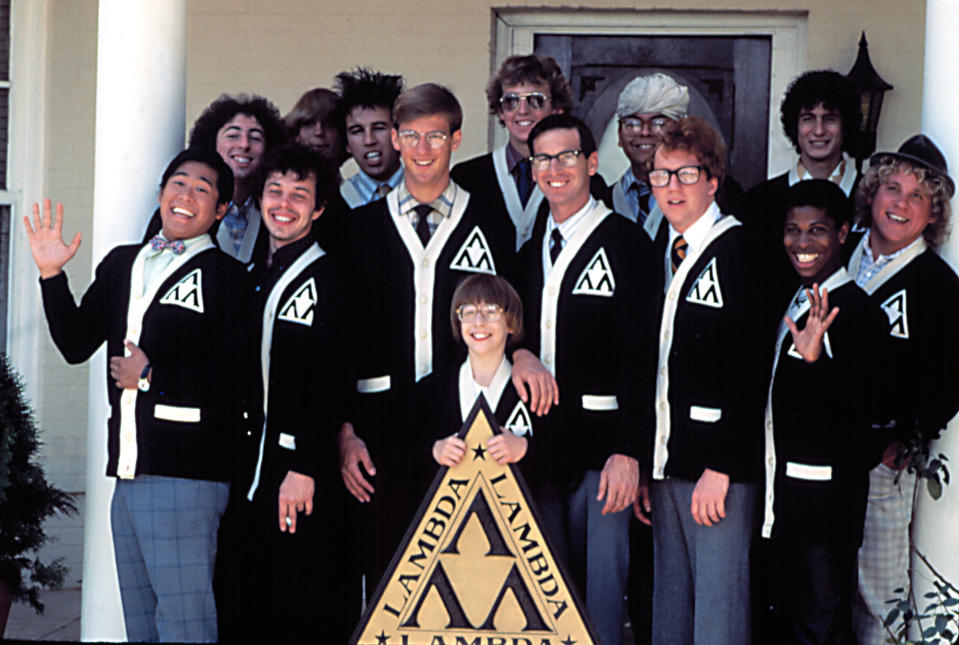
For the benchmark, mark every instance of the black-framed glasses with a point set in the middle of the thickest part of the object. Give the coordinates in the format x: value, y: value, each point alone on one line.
x: 411, y: 138
x: 636, y: 124
x: 566, y: 158
x: 534, y: 101
x: 469, y: 313
x: 687, y: 175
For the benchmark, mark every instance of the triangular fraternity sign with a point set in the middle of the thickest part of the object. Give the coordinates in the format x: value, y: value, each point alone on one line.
x: 474, y: 567
x: 597, y: 278
x: 474, y: 255
x: 706, y: 290
x: 299, y: 307
x: 187, y: 293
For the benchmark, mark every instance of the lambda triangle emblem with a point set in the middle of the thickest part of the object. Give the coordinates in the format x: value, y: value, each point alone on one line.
x: 519, y: 422
x: 187, y: 293
x: 474, y: 566
x: 474, y: 255
x: 299, y: 308
x: 895, y: 308
x: 706, y: 289
x: 597, y: 278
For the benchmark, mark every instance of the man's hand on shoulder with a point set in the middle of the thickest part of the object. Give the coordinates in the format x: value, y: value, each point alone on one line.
x: 528, y: 371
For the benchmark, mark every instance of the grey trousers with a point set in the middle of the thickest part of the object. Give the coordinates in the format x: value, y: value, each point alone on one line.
x: 701, y: 573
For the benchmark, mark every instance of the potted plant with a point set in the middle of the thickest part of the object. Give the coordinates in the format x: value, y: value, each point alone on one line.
x: 26, y: 500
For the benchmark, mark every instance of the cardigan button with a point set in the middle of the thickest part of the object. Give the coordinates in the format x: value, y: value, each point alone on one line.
x: 426, y: 263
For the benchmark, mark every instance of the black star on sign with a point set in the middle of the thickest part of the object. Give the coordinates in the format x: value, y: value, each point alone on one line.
x: 382, y: 638
x: 479, y: 452
x: 569, y: 640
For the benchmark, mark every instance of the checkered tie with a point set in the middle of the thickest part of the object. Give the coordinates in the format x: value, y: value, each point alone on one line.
x: 422, y: 223
x: 678, y: 252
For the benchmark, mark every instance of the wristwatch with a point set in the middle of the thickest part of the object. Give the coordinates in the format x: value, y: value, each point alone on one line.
x: 143, y: 384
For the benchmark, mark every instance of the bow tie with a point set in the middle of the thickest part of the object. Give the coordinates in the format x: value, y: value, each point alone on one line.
x: 158, y: 243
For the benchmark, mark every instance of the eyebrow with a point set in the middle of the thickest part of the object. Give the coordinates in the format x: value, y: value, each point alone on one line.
x: 230, y: 128
x: 182, y: 173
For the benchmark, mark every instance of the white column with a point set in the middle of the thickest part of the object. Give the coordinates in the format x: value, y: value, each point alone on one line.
x: 141, y: 97
x: 937, y: 522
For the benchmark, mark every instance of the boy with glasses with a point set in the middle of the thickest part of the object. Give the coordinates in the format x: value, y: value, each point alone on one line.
x: 409, y: 251
x: 707, y: 400
x: 588, y: 292
x: 523, y: 91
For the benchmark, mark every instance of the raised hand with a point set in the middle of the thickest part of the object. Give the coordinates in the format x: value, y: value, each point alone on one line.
x: 809, y: 340
x: 49, y: 250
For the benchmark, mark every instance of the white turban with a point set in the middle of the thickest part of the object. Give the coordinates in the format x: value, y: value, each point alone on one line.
x: 653, y: 94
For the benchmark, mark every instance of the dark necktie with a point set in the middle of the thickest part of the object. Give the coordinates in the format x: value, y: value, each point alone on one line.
x: 524, y: 181
x: 555, y: 245
x: 381, y: 191
x: 678, y: 253
x: 644, y: 194
x: 422, y: 223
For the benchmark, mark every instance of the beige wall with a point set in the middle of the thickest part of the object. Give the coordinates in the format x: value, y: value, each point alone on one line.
x: 283, y: 47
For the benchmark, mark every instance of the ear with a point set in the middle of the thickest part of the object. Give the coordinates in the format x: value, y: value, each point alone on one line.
x: 843, y: 232
x: 394, y: 137
x: 221, y: 210
x: 456, y: 138
x: 592, y: 163
x: 318, y: 212
x: 713, y: 185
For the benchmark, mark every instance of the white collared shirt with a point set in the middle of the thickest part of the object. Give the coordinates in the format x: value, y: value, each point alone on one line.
x: 694, y: 236
x: 843, y: 175
x: 869, y: 266
x: 567, y: 228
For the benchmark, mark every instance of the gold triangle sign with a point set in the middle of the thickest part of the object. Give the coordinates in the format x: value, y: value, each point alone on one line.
x: 474, y: 567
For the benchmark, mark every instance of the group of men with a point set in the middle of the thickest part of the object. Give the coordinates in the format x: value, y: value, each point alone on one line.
x: 651, y: 308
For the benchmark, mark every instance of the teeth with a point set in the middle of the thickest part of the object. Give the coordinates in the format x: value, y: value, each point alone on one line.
x: 283, y: 218
x: 182, y: 211
x: 557, y: 184
x: 524, y: 123
x: 373, y: 155
x: 243, y: 159
x: 806, y: 257
x: 896, y: 218
x: 423, y: 163
x: 480, y: 336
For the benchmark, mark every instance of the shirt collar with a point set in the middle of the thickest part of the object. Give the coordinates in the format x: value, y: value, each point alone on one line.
x: 513, y: 157
x: 628, y: 179
x: 442, y: 204
x: 843, y: 175
x: 883, y: 259
x: 695, y: 235
x: 193, y: 241
x: 568, y: 226
x: 287, y: 254
x: 366, y: 185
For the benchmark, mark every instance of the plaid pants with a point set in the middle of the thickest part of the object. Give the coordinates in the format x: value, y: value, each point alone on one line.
x: 164, y: 538
x: 884, y: 555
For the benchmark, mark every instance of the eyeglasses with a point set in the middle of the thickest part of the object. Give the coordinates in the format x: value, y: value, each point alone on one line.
x: 659, y: 177
x: 636, y: 124
x: 411, y: 138
x: 566, y: 159
x: 534, y: 101
x: 469, y: 313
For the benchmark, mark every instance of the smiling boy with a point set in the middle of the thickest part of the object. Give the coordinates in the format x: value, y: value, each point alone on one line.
x: 819, y: 442
x: 904, y: 200
x: 523, y: 91
x: 164, y: 310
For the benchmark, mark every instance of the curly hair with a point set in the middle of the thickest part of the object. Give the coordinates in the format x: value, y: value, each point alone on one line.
x: 367, y: 89
x: 225, y: 107
x: 833, y: 91
x: 302, y: 161
x: 932, y: 183
x: 699, y: 138
x: 530, y: 69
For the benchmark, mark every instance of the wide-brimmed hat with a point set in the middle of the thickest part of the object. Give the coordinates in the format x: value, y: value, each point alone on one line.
x: 921, y: 151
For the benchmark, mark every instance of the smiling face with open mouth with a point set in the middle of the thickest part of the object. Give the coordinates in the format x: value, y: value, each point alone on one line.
x: 520, y: 121
x: 368, y: 140
x: 813, y: 243
x: 484, y: 337
x: 819, y: 135
x: 566, y: 188
x: 901, y: 211
x: 425, y: 167
x: 288, y: 207
x: 188, y: 201
x: 241, y: 143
